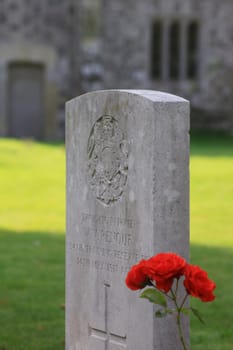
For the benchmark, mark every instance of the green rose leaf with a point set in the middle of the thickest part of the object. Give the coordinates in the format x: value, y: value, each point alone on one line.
x: 197, y: 315
x: 161, y: 313
x: 185, y: 311
x: 154, y: 297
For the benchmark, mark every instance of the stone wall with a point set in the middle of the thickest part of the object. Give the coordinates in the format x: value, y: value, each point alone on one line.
x: 127, y: 50
x: 118, y: 52
x: 29, y: 30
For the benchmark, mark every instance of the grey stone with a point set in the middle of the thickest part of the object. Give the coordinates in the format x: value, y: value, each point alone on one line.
x: 104, y: 44
x: 127, y: 199
x: 127, y: 47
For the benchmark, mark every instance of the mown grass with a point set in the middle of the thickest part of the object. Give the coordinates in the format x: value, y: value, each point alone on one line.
x: 211, y: 170
x: 32, y: 226
x: 32, y: 186
x: 31, y: 291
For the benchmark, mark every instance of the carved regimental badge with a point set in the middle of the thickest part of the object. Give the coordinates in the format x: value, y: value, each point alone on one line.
x: 107, y: 153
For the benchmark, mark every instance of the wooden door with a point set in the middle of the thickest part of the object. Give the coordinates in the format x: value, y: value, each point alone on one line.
x: 26, y: 100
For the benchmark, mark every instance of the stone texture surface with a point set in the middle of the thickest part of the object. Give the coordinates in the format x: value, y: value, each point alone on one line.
x: 127, y: 198
x: 33, y: 32
x: 118, y: 54
x: 33, y: 55
x: 127, y: 52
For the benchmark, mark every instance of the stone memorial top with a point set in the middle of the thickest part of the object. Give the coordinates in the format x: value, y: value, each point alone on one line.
x: 127, y: 199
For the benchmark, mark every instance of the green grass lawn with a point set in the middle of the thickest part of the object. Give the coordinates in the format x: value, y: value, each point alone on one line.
x: 211, y: 171
x: 32, y: 226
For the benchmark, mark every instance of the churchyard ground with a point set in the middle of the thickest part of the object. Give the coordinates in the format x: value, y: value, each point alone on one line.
x: 32, y: 227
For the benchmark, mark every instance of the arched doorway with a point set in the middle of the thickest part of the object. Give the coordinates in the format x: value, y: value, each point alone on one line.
x: 26, y: 100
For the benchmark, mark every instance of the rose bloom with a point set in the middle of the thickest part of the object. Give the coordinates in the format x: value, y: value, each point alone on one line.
x: 137, y: 277
x: 163, y: 268
x: 198, y: 284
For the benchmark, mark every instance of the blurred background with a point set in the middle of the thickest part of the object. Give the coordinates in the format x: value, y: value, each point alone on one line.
x: 54, y: 50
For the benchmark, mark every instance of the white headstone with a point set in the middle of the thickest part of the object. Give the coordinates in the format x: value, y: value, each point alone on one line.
x: 127, y: 199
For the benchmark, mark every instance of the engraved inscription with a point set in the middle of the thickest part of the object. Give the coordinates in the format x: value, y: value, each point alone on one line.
x: 103, y: 258
x: 107, y: 165
x: 107, y: 221
x: 106, y: 243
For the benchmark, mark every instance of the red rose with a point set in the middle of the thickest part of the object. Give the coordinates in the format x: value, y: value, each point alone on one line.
x: 137, y: 277
x: 198, y: 284
x: 163, y: 268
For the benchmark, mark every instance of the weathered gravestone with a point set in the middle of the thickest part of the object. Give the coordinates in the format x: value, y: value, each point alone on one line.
x: 127, y: 199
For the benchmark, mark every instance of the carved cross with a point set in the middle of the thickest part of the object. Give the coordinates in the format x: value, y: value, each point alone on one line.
x: 110, y: 340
